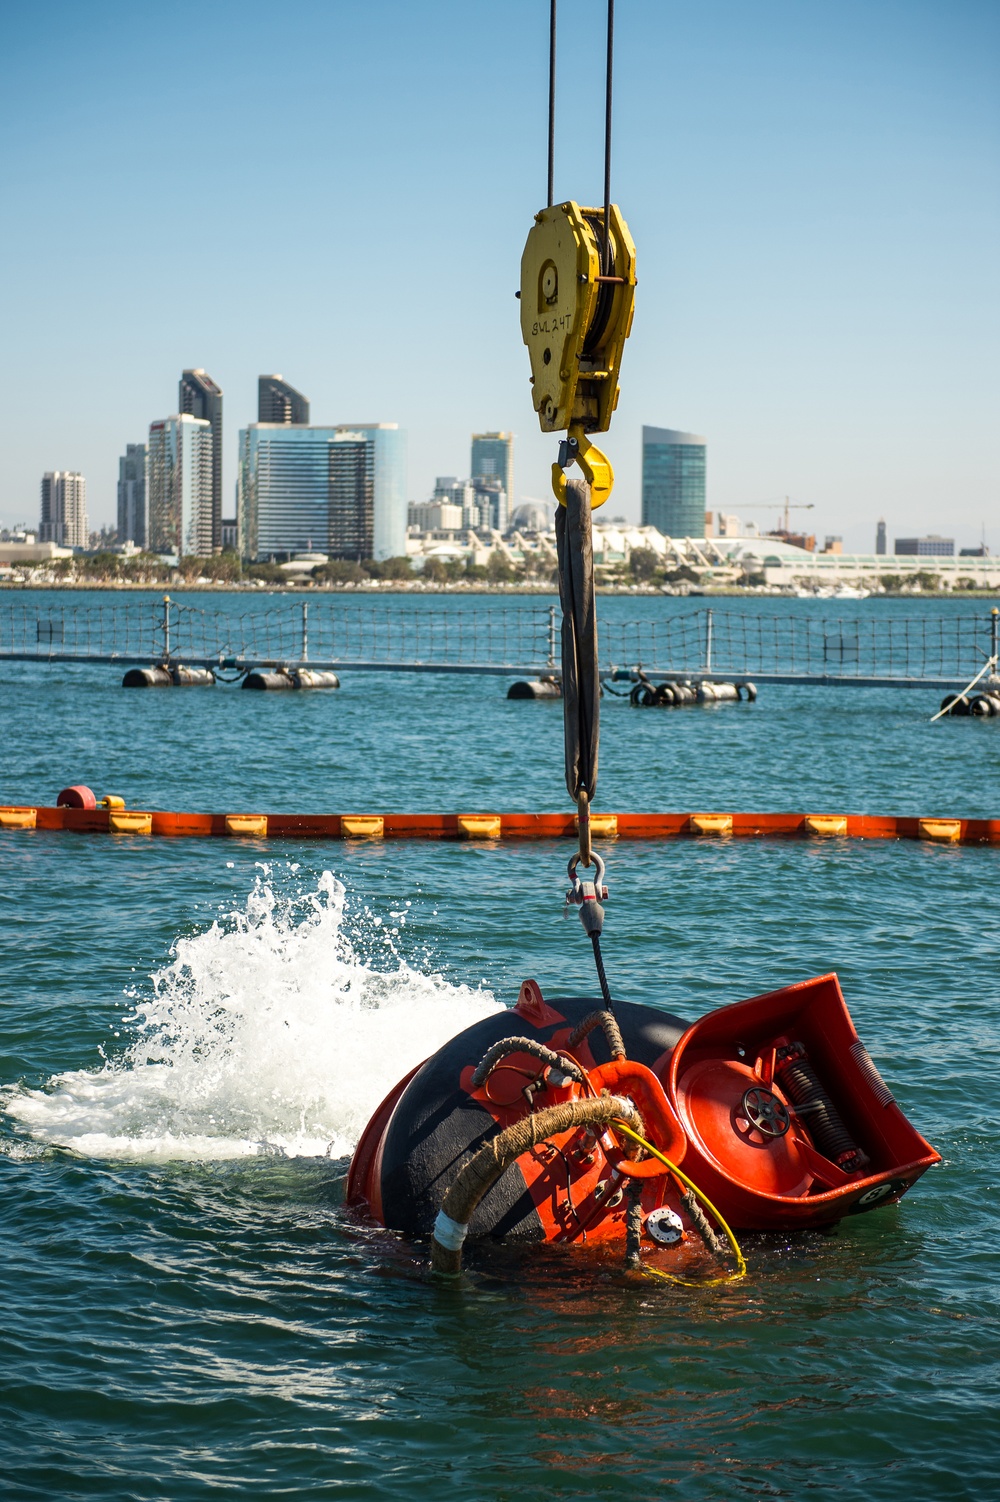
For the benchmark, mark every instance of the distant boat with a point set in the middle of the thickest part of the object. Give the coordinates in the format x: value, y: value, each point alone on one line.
x: 831, y: 592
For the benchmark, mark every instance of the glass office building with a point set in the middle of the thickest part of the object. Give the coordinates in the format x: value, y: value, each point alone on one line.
x: 336, y: 490
x: 931, y: 546
x: 673, y: 482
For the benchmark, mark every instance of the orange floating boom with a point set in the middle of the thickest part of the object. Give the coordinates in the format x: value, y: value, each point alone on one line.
x: 702, y: 825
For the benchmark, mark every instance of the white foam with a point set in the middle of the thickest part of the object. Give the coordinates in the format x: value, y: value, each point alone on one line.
x: 269, y: 1032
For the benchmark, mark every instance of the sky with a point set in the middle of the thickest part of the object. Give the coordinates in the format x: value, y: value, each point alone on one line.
x: 340, y: 192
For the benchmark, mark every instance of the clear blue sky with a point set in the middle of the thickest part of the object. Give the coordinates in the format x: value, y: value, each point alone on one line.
x: 340, y: 192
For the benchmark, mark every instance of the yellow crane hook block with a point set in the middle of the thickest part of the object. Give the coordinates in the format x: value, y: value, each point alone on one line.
x: 575, y: 316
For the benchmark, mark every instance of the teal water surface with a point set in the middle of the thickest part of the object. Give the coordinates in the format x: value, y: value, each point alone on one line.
x: 194, y: 1031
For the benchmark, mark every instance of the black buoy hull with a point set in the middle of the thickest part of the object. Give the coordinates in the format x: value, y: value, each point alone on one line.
x: 414, y: 1146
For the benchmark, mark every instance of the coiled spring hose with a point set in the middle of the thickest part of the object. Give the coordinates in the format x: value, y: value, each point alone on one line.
x: 801, y: 1084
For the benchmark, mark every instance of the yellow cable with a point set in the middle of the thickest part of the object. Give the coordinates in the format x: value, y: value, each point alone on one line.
x: 741, y: 1266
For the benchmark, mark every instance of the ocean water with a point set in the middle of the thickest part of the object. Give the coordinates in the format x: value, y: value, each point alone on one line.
x: 194, y: 1032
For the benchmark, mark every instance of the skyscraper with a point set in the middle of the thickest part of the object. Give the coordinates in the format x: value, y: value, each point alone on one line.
x: 339, y: 490
x: 279, y: 402
x: 179, y: 473
x: 494, y: 508
x: 493, y: 459
x: 133, y: 512
x: 880, y: 545
x: 368, y: 491
x: 673, y: 482
x: 64, y: 509
x: 201, y: 397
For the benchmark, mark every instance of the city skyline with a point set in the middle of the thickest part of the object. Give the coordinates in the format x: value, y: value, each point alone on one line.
x: 821, y: 262
x: 673, y: 494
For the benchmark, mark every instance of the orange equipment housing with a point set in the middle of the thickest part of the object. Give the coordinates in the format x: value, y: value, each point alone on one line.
x: 771, y: 1106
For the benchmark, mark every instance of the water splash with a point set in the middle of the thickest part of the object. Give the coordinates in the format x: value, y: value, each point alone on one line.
x: 269, y: 1032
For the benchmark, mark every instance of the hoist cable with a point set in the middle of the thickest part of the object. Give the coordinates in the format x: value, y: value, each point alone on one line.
x: 601, y: 976
x: 608, y: 257
x: 552, y: 100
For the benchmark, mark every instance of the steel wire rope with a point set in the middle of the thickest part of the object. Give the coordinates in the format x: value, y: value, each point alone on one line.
x: 608, y: 256
x: 552, y: 99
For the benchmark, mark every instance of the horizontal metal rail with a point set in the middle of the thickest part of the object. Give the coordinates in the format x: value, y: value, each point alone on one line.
x: 500, y: 670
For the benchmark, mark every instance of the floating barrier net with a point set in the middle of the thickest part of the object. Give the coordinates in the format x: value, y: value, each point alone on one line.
x: 931, y: 648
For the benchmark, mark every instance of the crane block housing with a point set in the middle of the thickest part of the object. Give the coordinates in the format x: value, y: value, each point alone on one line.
x: 575, y: 315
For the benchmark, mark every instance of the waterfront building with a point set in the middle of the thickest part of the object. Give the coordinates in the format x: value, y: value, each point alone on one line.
x: 494, y: 508
x: 179, y: 494
x: 673, y: 482
x: 482, y: 503
x: 368, y: 492
x: 63, y: 517
x: 133, y: 512
x: 339, y: 489
x: 493, y: 459
x: 931, y: 546
x: 280, y: 403
x: 435, y: 516
x: 463, y: 494
x: 200, y: 397
x: 880, y: 544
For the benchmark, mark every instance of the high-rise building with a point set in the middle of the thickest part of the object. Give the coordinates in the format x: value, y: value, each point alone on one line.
x: 133, y: 512
x: 673, y: 482
x: 493, y: 459
x: 368, y: 492
x: 339, y: 490
x: 494, y: 507
x: 880, y: 543
x: 64, y: 509
x: 279, y: 402
x: 179, y: 495
x: 200, y: 397
x: 931, y: 546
